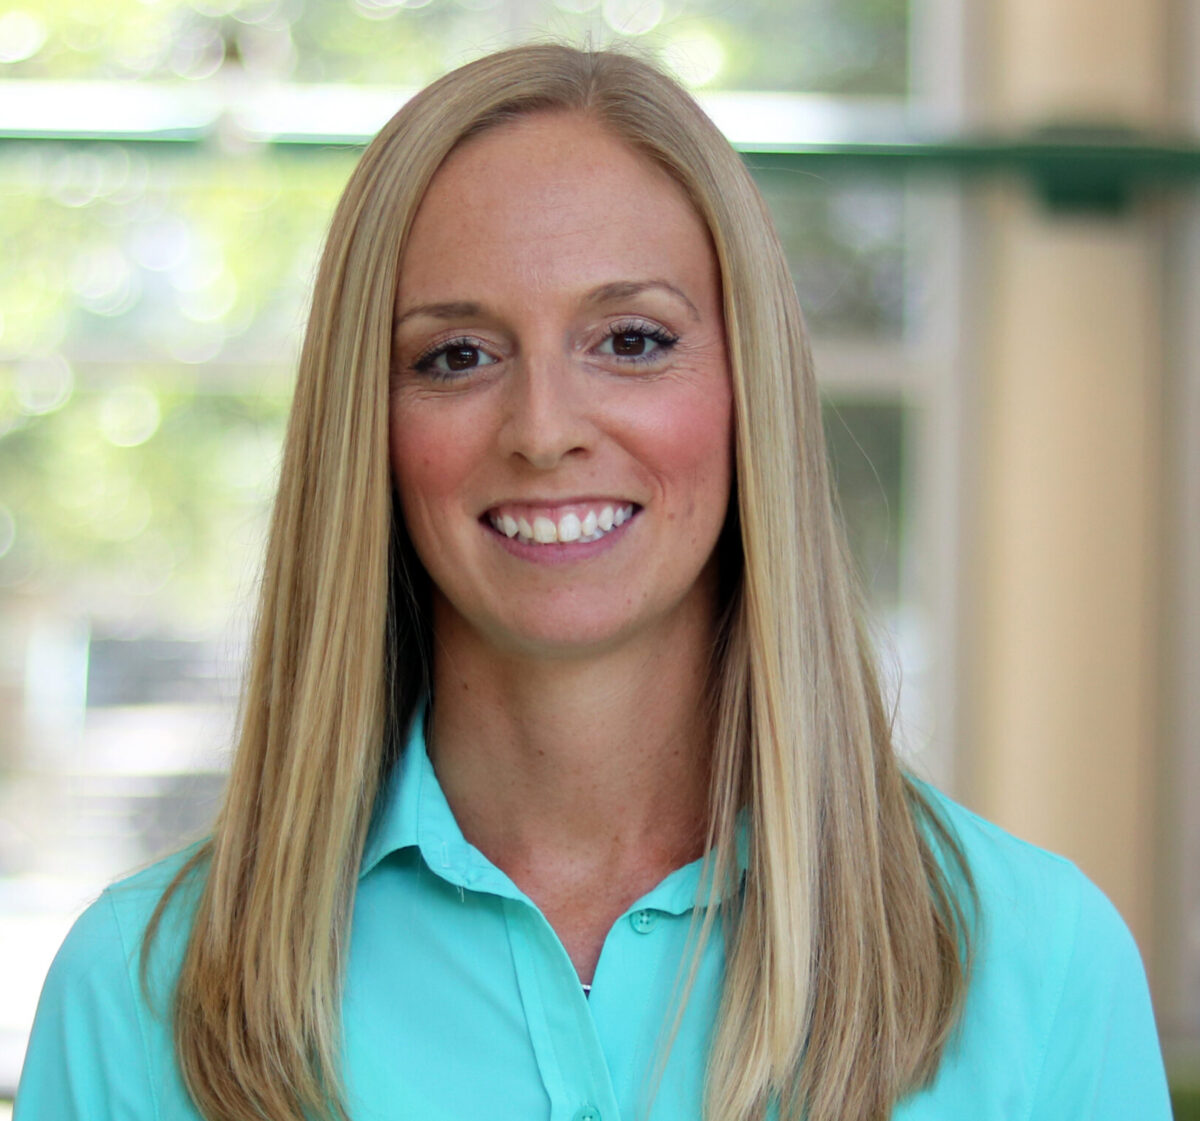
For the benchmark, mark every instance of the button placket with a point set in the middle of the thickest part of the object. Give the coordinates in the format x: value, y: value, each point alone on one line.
x: 568, y: 1050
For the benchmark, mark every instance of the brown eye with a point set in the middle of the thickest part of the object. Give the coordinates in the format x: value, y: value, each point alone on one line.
x: 633, y: 343
x: 629, y: 344
x: 459, y: 356
x: 462, y: 357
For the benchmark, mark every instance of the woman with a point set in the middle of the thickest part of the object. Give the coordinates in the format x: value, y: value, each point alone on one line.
x: 558, y: 690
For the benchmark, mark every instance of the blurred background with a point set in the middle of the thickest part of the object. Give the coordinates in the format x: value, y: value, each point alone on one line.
x: 992, y: 212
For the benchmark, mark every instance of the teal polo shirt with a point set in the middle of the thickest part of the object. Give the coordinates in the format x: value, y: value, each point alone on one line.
x: 460, y: 1002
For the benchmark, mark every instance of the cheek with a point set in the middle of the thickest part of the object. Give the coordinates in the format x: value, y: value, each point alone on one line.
x: 687, y: 443
x: 699, y: 434
x: 429, y: 461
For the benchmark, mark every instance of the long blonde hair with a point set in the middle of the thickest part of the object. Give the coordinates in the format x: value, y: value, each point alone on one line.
x: 847, y: 950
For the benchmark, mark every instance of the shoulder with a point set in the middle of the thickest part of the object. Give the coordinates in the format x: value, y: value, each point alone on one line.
x: 1058, y: 1010
x: 1034, y: 905
x: 104, y: 944
x: 1027, y: 884
x: 134, y: 900
x: 99, y: 1035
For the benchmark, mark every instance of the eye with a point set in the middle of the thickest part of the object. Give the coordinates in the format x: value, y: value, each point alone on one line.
x: 637, y: 342
x: 453, y: 358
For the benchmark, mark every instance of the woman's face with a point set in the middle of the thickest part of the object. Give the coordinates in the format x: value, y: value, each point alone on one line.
x: 561, y: 405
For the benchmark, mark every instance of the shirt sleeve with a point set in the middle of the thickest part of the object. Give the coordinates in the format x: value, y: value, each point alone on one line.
x: 87, y: 1056
x: 1102, y: 1059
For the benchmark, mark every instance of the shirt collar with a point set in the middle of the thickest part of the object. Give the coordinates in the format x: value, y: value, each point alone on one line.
x: 412, y: 812
x: 394, y: 824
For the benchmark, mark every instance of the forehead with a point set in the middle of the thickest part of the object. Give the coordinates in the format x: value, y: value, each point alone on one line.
x: 550, y: 193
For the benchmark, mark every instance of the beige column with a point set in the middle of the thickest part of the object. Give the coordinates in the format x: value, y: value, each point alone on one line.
x: 1064, y: 635
x: 1075, y: 60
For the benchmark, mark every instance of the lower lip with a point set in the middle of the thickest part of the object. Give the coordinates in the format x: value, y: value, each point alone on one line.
x: 561, y: 552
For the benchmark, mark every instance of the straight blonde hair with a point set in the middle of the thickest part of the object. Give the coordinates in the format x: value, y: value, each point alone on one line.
x: 848, y: 947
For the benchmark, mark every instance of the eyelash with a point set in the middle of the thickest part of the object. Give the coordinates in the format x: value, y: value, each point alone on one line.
x: 660, y: 335
x: 424, y: 362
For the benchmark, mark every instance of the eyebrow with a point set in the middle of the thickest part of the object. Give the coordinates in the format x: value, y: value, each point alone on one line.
x: 622, y: 289
x: 462, y: 309
x: 617, y: 290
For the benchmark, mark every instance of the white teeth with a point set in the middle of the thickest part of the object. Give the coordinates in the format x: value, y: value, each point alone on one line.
x: 570, y: 527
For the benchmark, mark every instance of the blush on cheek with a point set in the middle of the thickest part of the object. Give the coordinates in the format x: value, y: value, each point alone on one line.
x: 692, y: 438
x: 421, y: 457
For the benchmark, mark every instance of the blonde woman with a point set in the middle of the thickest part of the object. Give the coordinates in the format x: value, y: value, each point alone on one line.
x: 564, y: 789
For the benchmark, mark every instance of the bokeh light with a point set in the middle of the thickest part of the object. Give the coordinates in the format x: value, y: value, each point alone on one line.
x: 105, y: 281
x: 129, y: 415
x: 633, y: 17
x: 43, y: 384
x: 22, y: 35
x: 695, y: 55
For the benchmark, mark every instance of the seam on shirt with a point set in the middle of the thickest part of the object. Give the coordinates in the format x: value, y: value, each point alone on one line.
x: 948, y: 808
x: 137, y: 1004
x: 1058, y: 1003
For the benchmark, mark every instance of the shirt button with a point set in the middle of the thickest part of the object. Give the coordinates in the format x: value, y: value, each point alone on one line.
x: 643, y: 921
x: 587, y: 1113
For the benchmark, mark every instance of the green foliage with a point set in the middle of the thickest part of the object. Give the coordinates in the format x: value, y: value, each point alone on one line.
x: 835, y: 46
x: 135, y: 532
x: 151, y: 311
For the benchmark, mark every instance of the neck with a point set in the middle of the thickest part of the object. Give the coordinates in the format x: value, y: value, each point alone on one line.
x: 596, y: 763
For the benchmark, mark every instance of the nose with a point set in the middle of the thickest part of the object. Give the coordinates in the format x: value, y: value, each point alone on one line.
x: 546, y: 413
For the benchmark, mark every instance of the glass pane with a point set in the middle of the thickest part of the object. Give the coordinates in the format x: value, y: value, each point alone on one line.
x: 866, y: 451
x: 845, y: 240
x: 869, y: 452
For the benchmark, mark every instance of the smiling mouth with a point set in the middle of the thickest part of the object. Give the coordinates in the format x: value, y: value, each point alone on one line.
x: 580, y: 525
